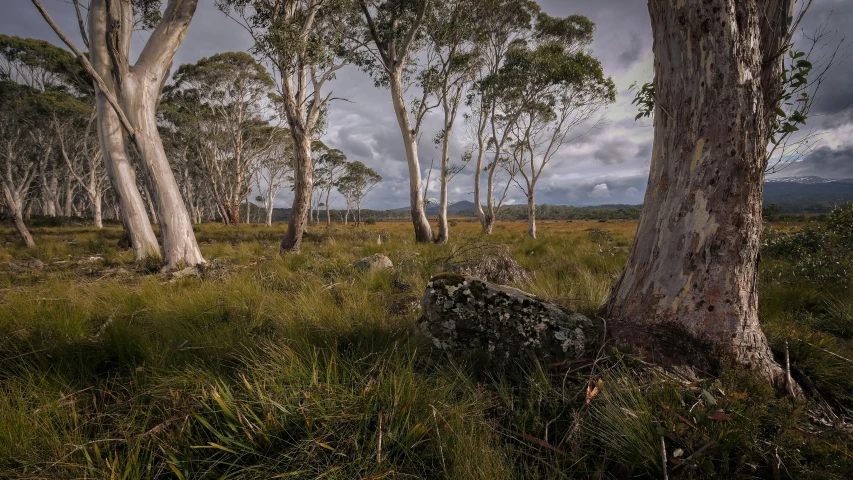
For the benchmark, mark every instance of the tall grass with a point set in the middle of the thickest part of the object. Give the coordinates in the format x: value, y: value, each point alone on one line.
x: 299, y: 366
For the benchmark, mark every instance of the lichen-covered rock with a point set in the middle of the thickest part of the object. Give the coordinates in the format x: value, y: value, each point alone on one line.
x: 468, y: 317
x: 374, y: 262
x: 489, y: 262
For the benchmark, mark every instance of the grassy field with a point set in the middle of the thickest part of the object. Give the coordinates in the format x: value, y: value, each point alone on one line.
x: 301, y: 367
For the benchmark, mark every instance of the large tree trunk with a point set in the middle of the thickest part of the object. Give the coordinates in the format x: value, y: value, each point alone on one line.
x: 122, y: 176
x: 138, y: 91
x: 120, y: 171
x: 139, y: 102
x: 688, y: 295
x: 302, y: 191
x: 531, y: 214
x: 423, y: 231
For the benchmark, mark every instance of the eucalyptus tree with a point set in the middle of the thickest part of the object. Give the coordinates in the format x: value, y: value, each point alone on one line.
x: 331, y: 166
x: 222, y: 99
x: 56, y: 85
x: 537, y: 71
x: 559, y: 90
x: 275, y: 168
x: 83, y: 158
x: 394, y: 30
x: 72, y: 124
x: 689, y: 291
x: 500, y: 25
x: 19, y: 164
x: 450, y: 33
x: 127, y: 105
x: 356, y: 183
x: 306, y: 42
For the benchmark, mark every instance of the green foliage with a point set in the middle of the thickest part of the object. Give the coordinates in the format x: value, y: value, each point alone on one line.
x: 147, y: 13
x: 644, y: 99
x: 821, y: 253
x: 42, y: 66
x: 795, y: 82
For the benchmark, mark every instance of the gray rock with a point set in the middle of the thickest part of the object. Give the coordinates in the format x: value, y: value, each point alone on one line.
x: 186, y: 272
x: 374, y: 262
x: 468, y: 317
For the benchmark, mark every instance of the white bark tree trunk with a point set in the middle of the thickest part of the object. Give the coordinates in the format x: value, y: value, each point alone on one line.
x: 689, y: 295
x: 531, y: 215
x: 423, y: 231
x: 120, y: 171
x: 16, y: 207
x: 97, y: 205
x: 302, y: 192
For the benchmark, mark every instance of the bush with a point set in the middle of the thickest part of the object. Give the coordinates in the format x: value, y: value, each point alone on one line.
x: 821, y: 252
x: 370, y: 221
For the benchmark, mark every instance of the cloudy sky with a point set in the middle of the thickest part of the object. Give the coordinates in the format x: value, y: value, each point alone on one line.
x: 608, y: 166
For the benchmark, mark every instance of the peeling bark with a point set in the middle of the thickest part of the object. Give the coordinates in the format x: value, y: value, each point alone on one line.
x: 688, y: 295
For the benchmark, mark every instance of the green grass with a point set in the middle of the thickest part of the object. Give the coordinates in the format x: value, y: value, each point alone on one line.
x: 301, y: 367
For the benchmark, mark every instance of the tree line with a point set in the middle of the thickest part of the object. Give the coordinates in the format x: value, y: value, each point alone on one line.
x: 726, y: 84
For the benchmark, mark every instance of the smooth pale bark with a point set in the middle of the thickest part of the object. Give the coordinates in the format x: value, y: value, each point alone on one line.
x: 423, y: 231
x: 269, y: 200
x: 303, y: 183
x: 328, y: 208
x: 531, y: 215
x: 450, y: 110
x: 97, y: 210
x: 68, y: 205
x: 120, y: 171
x: 15, y: 204
x: 139, y: 101
x: 122, y: 177
x: 688, y: 295
x: 138, y: 90
x: 269, y: 216
x: 478, y: 170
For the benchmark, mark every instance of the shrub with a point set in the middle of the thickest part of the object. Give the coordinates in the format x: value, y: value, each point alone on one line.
x: 821, y: 252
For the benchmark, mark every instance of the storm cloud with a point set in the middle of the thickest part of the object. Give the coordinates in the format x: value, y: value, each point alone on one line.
x: 609, y: 165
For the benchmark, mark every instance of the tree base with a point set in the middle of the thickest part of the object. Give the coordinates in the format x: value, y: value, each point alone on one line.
x: 671, y: 346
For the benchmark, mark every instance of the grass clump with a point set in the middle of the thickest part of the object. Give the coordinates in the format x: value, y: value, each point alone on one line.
x: 300, y: 366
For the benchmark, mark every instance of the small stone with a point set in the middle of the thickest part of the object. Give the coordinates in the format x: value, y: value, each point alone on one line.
x: 187, y: 272
x: 374, y: 262
x: 468, y: 317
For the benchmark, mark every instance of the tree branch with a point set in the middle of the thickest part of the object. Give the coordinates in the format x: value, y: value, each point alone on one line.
x: 102, y: 86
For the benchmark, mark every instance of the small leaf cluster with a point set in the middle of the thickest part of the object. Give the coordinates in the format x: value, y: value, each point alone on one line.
x: 795, y: 81
x: 644, y: 99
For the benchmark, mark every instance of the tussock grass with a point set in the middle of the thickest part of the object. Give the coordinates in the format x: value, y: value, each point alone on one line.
x: 299, y: 366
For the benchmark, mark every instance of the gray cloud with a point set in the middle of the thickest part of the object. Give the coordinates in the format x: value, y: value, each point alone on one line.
x: 616, y: 156
x: 615, y: 151
x: 824, y: 162
x: 635, y: 50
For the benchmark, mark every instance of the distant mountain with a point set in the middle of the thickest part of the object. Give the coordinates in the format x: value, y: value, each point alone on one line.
x: 458, y: 208
x: 807, y: 194
x: 793, y: 195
